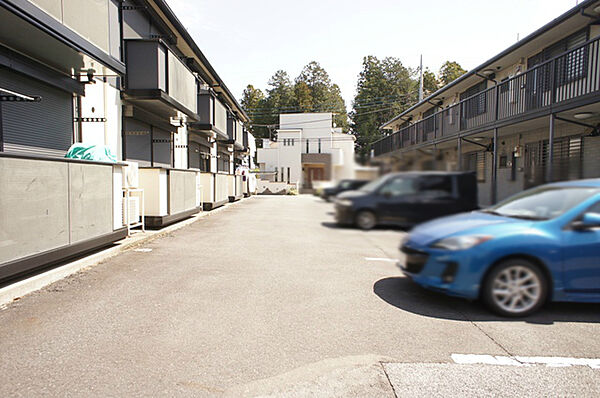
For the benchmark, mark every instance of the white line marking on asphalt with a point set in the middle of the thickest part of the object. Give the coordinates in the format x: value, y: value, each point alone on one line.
x: 391, y: 260
x: 143, y: 250
x: 525, y: 361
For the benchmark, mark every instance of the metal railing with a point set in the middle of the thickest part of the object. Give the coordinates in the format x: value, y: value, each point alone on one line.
x: 567, y: 77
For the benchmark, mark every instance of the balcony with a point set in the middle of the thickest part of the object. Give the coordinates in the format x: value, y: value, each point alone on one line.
x: 158, y: 81
x: 235, y: 131
x: 212, y: 115
x: 566, y: 81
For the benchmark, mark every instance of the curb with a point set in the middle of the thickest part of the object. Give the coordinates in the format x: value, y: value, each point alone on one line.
x: 17, y: 290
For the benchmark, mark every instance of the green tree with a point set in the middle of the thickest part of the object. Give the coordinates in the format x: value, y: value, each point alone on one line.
x: 314, y: 87
x: 450, y: 71
x: 253, y: 101
x: 280, y: 94
x: 384, y: 89
x: 430, y: 82
x: 303, y: 96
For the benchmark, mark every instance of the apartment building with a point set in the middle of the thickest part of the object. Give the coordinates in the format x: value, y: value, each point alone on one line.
x: 308, y: 149
x: 124, y: 75
x: 527, y: 116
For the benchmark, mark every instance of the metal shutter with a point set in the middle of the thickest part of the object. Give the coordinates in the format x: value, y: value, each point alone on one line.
x: 567, y: 163
x: 475, y: 161
x: 137, y: 141
x: 567, y: 159
x: 194, y: 155
x: 162, y: 145
x: 45, y: 127
x: 591, y: 157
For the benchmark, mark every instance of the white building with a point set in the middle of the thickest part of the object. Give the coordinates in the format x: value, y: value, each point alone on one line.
x: 309, y: 150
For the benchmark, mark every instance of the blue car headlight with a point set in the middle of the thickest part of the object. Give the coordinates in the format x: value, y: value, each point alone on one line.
x: 464, y: 242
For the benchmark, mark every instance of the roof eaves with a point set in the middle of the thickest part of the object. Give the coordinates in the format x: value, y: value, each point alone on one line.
x: 164, y: 7
x: 555, y: 22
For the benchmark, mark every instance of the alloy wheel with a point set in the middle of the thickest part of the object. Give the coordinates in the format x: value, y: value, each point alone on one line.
x: 366, y: 220
x: 516, y: 289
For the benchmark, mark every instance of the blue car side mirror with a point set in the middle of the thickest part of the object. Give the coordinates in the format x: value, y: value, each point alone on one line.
x: 589, y: 220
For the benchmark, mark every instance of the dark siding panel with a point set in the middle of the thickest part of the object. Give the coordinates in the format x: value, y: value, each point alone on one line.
x: 162, y: 147
x: 138, y: 144
x: 46, y: 124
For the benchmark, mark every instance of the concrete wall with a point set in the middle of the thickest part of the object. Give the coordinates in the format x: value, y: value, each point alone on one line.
x: 207, y: 182
x: 230, y: 185
x: 182, y: 191
x: 154, y: 182
x: 221, y: 187
x: 47, y: 204
x: 265, y: 187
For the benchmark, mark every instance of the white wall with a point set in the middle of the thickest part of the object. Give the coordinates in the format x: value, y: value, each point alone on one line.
x: 102, y: 100
x: 312, y: 127
x: 347, y: 169
x: 181, y: 141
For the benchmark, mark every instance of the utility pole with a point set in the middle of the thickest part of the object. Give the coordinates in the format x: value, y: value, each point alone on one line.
x: 421, y: 80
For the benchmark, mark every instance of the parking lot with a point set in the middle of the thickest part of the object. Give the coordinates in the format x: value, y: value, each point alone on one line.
x: 209, y: 310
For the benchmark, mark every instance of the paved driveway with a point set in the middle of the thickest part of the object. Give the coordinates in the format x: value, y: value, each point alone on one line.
x: 263, y: 295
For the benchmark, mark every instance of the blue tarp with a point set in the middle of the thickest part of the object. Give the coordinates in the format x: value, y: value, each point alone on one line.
x: 99, y: 153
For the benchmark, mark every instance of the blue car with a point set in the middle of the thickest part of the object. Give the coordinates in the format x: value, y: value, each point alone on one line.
x: 542, y: 244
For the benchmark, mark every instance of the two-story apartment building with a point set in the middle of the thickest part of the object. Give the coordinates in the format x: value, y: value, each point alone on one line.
x: 308, y: 149
x: 527, y: 116
x: 121, y: 74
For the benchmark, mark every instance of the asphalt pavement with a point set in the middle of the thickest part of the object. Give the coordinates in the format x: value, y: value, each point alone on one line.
x: 269, y: 297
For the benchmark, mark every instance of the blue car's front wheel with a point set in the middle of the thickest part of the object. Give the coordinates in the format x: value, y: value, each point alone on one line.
x: 515, y: 287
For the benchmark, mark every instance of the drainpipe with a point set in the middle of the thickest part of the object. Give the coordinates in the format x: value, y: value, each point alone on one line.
x: 550, y: 149
x: 459, y: 155
x: 494, y: 167
x: 1, y: 134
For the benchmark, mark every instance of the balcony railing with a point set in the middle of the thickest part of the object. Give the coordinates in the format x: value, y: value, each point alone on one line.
x: 151, y: 66
x: 567, y: 77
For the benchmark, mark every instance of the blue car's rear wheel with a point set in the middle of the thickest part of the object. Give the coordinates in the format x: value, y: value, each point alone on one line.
x: 515, y: 287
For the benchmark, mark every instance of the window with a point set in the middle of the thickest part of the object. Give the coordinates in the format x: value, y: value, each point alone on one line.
x: 429, y: 122
x: 435, y: 186
x: 307, y: 147
x: 475, y: 161
x: 543, y: 203
x: 399, y: 186
x: 595, y: 208
x: 276, y: 174
x: 476, y: 105
x: 569, y: 67
x: 319, y: 145
x: 223, y: 163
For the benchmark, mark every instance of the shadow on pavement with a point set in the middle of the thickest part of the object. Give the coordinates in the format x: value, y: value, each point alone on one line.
x: 404, y: 294
x: 334, y: 225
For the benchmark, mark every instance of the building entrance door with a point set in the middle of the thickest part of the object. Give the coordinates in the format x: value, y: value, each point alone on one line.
x: 313, y: 173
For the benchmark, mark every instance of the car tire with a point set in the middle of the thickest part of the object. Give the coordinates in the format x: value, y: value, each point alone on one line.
x: 365, y: 220
x: 515, y: 288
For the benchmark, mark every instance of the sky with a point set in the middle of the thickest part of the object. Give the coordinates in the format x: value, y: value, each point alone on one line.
x: 247, y: 41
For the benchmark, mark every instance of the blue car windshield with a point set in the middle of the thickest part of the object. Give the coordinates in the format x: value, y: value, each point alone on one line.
x: 542, y: 203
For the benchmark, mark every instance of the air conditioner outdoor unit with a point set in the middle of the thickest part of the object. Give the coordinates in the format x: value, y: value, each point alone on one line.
x: 131, y: 176
x: 134, y: 210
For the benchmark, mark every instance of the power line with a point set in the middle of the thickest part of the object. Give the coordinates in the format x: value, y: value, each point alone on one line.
x: 315, y: 121
x: 373, y: 101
